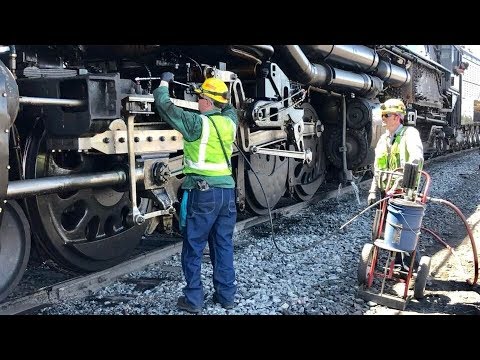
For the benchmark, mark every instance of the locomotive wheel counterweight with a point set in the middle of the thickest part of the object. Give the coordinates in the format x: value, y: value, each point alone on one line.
x: 14, y: 246
x: 83, y: 230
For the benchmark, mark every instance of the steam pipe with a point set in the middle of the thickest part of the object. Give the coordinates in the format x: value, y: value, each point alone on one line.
x: 364, y: 84
x: 55, y: 184
x: 318, y: 75
x: 304, y: 70
x: 394, y: 75
x: 360, y: 58
x: 257, y: 53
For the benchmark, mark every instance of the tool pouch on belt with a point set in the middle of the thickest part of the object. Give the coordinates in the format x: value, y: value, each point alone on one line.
x: 183, y: 212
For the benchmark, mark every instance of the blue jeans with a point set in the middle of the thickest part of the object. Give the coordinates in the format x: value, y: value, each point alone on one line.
x: 211, y: 216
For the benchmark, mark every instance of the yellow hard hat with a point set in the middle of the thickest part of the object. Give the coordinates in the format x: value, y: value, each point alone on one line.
x: 215, y: 89
x: 393, y: 106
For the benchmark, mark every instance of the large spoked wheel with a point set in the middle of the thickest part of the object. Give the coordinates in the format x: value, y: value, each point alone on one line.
x: 272, y: 172
x: 84, y: 230
x: 309, y: 176
x: 14, y: 247
x: 421, y: 280
x: 365, y: 264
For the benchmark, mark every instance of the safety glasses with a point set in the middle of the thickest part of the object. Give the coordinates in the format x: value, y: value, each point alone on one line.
x: 387, y: 115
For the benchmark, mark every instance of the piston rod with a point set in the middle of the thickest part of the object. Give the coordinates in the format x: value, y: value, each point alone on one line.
x: 54, y: 184
x: 28, y: 100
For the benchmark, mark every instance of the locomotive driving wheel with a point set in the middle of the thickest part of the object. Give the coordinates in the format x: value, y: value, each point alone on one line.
x: 272, y: 172
x: 309, y: 176
x: 14, y: 246
x: 82, y: 230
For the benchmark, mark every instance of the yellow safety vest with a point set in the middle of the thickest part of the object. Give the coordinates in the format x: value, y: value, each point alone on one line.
x: 205, y: 156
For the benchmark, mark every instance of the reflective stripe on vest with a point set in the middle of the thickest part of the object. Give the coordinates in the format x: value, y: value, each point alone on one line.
x: 393, y: 158
x: 197, y: 158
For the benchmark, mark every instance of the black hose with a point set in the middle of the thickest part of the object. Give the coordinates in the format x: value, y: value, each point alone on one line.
x: 270, y: 212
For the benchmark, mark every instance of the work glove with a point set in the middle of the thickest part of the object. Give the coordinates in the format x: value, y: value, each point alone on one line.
x: 372, y: 198
x: 167, y: 76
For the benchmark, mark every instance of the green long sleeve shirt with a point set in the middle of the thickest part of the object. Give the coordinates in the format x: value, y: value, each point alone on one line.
x: 189, y: 124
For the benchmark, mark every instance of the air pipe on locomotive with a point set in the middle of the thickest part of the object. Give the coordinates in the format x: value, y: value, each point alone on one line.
x: 93, y: 167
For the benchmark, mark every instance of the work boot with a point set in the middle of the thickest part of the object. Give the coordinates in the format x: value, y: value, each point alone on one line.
x: 225, y: 305
x: 183, y: 304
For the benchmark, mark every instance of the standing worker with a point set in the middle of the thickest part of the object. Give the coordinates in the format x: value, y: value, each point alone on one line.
x: 398, y: 145
x: 209, y: 186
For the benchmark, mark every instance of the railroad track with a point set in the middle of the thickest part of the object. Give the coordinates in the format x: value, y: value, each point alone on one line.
x: 84, y: 286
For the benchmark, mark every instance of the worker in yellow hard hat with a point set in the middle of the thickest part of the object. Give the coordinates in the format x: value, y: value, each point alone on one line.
x: 398, y: 145
x: 214, y: 89
x: 393, y: 106
x: 208, y: 203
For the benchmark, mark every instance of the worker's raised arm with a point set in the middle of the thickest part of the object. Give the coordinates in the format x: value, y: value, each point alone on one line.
x: 186, y: 122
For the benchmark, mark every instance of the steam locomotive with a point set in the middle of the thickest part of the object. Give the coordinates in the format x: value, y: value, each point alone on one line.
x: 89, y: 166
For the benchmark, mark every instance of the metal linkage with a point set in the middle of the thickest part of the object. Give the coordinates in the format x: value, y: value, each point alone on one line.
x: 159, y: 78
x: 306, y: 155
x: 137, y: 216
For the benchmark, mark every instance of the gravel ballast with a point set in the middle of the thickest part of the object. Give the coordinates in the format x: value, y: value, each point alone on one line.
x: 322, y: 279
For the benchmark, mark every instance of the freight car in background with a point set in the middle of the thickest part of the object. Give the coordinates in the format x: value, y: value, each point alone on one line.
x: 89, y: 166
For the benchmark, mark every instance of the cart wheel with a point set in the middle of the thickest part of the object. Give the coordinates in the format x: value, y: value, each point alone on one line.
x: 365, y: 263
x: 421, y: 280
x: 376, y: 224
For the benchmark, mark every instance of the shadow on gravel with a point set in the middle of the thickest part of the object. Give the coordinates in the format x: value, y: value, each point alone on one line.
x: 452, y: 285
x: 441, y: 304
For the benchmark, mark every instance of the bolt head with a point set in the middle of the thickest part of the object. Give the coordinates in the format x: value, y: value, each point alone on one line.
x: 139, y: 219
